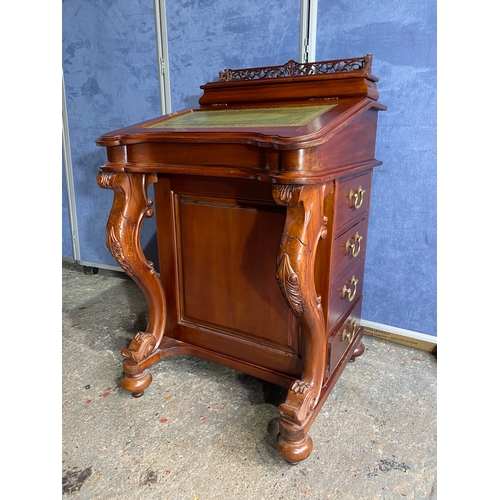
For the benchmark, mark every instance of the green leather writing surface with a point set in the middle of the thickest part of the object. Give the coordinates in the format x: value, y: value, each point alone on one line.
x: 289, y: 116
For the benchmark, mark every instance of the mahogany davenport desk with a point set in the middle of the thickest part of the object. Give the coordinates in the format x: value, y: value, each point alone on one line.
x: 261, y: 197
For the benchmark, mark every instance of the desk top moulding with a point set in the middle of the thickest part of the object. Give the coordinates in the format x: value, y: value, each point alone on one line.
x: 262, y: 200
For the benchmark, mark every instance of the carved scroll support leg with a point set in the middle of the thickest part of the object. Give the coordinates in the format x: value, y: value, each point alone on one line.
x: 305, y: 226
x: 130, y: 206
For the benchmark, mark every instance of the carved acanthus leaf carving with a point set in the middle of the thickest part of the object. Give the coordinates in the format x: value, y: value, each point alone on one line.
x: 282, y: 193
x: 105, y: 179
x: 289, y: 284
x: 299, y: 386
x: 116, y: 249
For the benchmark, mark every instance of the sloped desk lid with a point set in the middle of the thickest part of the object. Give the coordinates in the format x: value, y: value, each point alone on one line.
x: 286, y: 107
x: 285, y: 127
x: 277, y: 116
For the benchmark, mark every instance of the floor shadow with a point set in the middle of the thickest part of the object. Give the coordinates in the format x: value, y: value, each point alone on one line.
x: 260, y: 391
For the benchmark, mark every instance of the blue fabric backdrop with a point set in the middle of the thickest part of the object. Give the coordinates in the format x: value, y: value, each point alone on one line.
x: 111, y: 80
x: 110, y: 69
x: 400, y: 282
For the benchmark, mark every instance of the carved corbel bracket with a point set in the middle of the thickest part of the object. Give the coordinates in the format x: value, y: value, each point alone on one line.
x: 305, y: 226
x: 130, y: 207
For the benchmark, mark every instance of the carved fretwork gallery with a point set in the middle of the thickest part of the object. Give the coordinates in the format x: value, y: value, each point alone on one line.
x: 262, y: 200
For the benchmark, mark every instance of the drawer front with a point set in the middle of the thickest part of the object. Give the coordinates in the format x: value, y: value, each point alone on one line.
x: 344, y: 292
x: 353, y: 200
x: 340, y: 341
x: 349, y: 247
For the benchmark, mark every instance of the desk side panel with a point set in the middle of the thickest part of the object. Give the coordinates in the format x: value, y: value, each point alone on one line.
x: 218, y: 243
x: 354, y: 144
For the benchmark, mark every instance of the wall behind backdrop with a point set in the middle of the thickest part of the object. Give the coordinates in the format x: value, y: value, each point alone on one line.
x: 109, y: 63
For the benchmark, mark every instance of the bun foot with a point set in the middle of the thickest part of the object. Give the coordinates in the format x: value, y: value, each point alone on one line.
x: 360, y: 349
x: 293, y: 445
x: 136, y: 384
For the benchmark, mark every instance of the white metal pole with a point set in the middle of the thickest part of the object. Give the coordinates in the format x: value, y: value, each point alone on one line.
x: 162, y: 53
x: 304, y: 30
x: 68, y: 168
x: 307, y: 35
x: 313, y: 21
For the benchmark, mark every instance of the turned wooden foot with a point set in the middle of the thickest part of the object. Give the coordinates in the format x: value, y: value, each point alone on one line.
x: 294, y: 445
x: 360, y: 349
x: 136, y: 384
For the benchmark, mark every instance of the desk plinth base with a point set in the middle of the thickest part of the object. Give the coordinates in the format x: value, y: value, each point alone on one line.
x: 292, y: 440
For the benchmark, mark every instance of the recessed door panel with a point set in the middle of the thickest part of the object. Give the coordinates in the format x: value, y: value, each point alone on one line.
x: 228, y: 294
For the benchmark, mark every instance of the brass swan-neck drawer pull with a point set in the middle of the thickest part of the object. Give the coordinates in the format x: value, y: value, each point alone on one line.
x: 349, y: 335
x: 350, y: 247
x: 350, y: 292
x: 356, y: 198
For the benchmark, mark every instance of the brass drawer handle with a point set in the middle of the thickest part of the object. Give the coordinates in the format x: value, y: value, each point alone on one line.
x: 356, y: 198
x: 350, y: 247
x: 349, y: 335
x: 350, y: 292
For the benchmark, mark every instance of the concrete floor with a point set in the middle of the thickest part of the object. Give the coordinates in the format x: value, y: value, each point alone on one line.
x: 200, y: 430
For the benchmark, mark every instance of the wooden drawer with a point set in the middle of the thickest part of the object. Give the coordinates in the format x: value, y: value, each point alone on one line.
x: 349, y: 247
x: 352, y: 201
x: 344, y: 293
x: 342, y: 338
